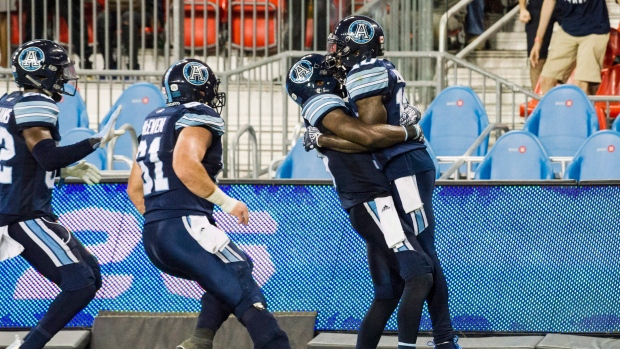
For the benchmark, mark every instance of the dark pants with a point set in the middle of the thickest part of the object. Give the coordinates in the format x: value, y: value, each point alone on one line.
x: 227, y: 276
x: 62, y: 259
x: 437, y: 299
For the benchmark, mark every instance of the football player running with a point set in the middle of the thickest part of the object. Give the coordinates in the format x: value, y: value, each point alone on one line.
x: 376, y: 94
x: 30, y: 160
x: 364, y: 192
x: 172, y: 183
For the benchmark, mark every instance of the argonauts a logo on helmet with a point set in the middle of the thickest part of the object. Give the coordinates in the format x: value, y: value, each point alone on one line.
x: 301, y: 72
x: 361, y: 31
x: 30, y: 59
x: 195, y: 73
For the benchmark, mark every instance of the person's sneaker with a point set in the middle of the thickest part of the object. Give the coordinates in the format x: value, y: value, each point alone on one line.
x: 196, y: 343
x: 445, y: 345
x: 16, y: 344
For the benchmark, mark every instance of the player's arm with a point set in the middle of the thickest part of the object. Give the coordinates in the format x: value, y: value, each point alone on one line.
x: 49, y: 155
x: 135, y: 189
x: 190, y: 149
x: 369, y: 136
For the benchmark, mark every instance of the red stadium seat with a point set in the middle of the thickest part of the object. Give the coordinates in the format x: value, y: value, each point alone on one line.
x: 613, y: 48
x: 204, y: 25
x: 15, y: 30
x: 610, y: 86
x: 261, y: 32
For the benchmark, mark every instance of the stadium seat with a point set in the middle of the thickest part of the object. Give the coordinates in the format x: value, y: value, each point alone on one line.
x: 453, y: 121
x: 610, y: 86
x: 563, y: 119
x: 598, y: 158
x: 78, y: 134
x: 517, y: 155
x: 72, y: 111
x: 138, y: 100
x: 616, y: 125
x: 431, y: 152
x: 299, y: 164
x: 246, y: 32
x: 204, y: 24
x: 613, y: 48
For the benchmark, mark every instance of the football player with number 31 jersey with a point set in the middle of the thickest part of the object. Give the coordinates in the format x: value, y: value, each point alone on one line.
x: 376, y: 93
x: 172, y: 183
x: 30, y: 161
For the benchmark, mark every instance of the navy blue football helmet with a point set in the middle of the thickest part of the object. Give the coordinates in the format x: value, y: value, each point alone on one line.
x: 355, y: 39
x: 192, y: 80
x: 308, y: 77
x: 43, y: 65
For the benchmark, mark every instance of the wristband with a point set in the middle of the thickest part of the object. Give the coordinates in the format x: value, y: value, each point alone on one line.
x: 225, y: 202
x: 537, y: 39
x: 406, y: 133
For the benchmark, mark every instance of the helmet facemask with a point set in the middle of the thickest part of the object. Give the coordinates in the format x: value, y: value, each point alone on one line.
x: 219, y: 98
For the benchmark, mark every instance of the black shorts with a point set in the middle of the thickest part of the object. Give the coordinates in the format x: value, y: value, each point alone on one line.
x: 532, y: 26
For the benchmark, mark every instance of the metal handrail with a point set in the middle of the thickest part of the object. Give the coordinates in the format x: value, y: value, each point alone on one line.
x: 497, y: 26
x: 253, y: 147
x: 443, y: 23
x: 110, y: 157
x: 485, y: 133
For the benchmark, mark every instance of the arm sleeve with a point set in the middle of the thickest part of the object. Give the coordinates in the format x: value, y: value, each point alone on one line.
x: 318, y: 106
x: 367, y: 81
x: 202, y: 117
x: 52, y: 157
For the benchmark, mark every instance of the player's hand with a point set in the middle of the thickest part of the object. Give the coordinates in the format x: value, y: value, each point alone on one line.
x: 108, y: 132
x: 524, y: 15
x: 411, y: 115
x: 87, y: 172
x: 311, y: 138
x: 241, y: 212
x: 419, y: 134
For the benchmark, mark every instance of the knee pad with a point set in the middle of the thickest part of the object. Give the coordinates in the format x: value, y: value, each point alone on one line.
x: 251, y: 296
x: 93, y: 263
x: 76, y: 276
x: 413, y: 263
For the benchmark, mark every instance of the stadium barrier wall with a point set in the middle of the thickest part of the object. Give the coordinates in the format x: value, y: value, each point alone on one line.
x: 518, y: 256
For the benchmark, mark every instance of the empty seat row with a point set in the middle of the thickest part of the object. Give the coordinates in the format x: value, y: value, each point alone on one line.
x: 519, y: 155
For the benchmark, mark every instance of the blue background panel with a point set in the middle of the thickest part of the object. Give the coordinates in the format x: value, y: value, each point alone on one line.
x: 517, y: 258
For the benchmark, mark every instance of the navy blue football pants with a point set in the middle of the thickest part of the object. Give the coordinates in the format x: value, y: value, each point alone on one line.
x: 437, y: 299
x: 61, y: 258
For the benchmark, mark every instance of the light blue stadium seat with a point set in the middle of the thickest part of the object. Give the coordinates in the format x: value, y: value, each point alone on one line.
x: 563, y: 119
x: 75, y: 135
x: 453, y: 121
x: 616, y: 125
x: 516, y: 155
x: 431, y: 152
x: 72, y: 111
x: 138, y: 100
x: 598, y: 158
x: 300, y: 164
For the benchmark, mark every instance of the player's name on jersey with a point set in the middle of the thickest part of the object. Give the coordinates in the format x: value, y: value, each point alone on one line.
x: 5, y: 114
x: 153, y: 126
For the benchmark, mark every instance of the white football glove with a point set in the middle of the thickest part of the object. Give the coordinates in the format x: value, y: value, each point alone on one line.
x: 411, y: 115
x: 87, y: 172
x: 108, y: 132
x: 311, y: 138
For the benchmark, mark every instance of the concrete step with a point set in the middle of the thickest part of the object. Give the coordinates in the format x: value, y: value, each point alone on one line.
x: 509, y: 41
x: 66, y: 339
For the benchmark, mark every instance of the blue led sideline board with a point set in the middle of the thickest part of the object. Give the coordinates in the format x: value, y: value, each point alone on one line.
x: 518, y: 258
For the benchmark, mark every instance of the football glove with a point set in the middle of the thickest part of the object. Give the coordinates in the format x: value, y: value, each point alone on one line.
x: 87, y: 172
x: 108, y: 132
x: 411, y: 115
x: 311, y: 138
